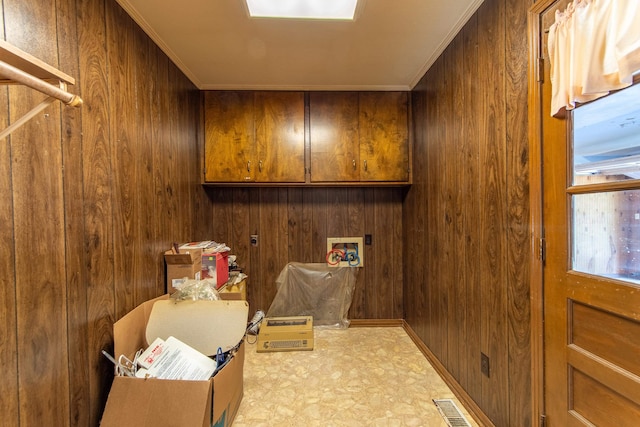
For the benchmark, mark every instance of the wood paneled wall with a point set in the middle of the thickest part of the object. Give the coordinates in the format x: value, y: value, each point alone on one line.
x: 466, y: 216
x: 89, y: 199
x: 293, y: 224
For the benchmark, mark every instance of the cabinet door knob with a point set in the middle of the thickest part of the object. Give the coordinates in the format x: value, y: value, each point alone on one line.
x: 354, y: 164
x: 260, y: 165
x: 249, y: 166
x: 365, y: 165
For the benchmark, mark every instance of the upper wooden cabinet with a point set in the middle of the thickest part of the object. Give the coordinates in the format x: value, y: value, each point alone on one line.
x: 351, y: 138
x: 359, y: 136
x: 279, y: 124
x: 229, y: 137
x: 254, y: 137
x: 384, y: 136
x: 334, y: 137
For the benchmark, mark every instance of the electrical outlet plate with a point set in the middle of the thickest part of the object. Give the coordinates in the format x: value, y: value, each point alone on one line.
x: 484, y: 364
x: 352, y: 245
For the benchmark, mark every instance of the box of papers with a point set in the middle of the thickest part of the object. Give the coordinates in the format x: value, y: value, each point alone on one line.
x: 135, y: 402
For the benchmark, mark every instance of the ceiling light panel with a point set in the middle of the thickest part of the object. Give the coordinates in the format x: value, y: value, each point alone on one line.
x: 303, y: 9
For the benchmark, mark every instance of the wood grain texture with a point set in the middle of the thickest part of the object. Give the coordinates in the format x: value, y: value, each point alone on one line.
x: 123, y: 155
x: 41, y: 333
x: 95, y: 176
x: 335, y: 148
x: 280, y: 145
x: 493, y: 204
x: 471, y: 168
x: 384, y: 138
x: 229, y: 136
x: 470, y: 143
x: 322, y: 135
x: 79, y: 397
x: 148, y: 245
x: 455, y: 209
x: 293, y: 225
x: 518, y: 213
x: 163, y: 136
x: 106, y: 198
x: 8, y: 338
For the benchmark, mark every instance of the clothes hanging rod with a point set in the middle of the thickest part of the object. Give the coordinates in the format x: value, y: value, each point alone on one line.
x: 31, y: 65
x: 18, y: 67
x: 18, y: 76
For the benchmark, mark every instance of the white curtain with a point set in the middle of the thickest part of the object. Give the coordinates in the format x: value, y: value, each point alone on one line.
x: 594, y: 48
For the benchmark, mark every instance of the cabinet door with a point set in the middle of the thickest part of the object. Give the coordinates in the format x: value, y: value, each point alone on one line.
x: 333, y: 134
x: 384, y: 136
x: 280, y: 136
x: 229, y: 136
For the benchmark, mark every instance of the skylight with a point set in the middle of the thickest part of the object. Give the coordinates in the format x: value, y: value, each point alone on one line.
x: 303, y: 9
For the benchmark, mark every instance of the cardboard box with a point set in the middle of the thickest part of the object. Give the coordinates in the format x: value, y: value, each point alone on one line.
x: 179, y: 266
x: 234, y: 292
x: 136, y: 402
x: 218, y: 262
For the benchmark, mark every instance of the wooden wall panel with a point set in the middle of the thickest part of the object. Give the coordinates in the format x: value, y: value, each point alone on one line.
x: 97, y: 205
x: 124, y: 154
x: 518, y: 213
x: 90, y: 199
x: 455, y: 202
x: 356, y: 211
x: 39, y: 252
x: 161, y: 141
x: 414, y: 221
x: 471, y: 192
x: 79, y: 396
x: 471, y: 377
x: 493, y: 195
x: 293, y: 225
x: 146, y: 244
x: 8, y: 336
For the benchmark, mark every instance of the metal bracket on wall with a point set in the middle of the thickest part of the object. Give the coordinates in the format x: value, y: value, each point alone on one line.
x: 18, y: 67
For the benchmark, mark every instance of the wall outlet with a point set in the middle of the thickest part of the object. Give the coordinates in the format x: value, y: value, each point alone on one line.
x: 484, y: 364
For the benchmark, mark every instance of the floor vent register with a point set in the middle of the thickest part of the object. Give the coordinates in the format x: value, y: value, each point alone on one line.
x: 451, y: 413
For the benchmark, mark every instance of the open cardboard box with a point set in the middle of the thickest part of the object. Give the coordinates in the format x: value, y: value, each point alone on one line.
x: 231, y: 292
x: 136, y: 402
x: 185, y: 264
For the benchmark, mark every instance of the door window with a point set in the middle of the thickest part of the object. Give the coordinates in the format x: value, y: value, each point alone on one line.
x: 605, y: 213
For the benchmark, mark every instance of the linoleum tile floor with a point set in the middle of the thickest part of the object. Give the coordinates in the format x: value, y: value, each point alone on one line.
x: 364, y: 376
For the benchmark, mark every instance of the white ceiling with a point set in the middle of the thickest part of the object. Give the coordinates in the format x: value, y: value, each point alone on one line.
x: 389, y: 46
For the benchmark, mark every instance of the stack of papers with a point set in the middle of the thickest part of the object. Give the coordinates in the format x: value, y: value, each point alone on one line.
x: 207, y: 246
x: 172, y: 359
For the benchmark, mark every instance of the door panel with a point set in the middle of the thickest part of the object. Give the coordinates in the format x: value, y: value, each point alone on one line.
x: 229, y: 136
x: 384, y: 136
x: 334, y: 138
x: 592, y: 321
x: 279, y: 128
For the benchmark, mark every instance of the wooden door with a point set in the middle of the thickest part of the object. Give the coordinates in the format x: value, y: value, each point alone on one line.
x: 591, y: 315
x: 279, y: 124
x: 384, y: 136
x: 229, y: 136
x: 333, y: 134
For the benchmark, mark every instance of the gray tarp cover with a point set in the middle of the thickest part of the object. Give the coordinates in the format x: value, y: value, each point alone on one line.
x: 316, y: 290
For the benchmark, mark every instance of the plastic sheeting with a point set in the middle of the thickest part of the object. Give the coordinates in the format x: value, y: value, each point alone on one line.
x: 315, y: 290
